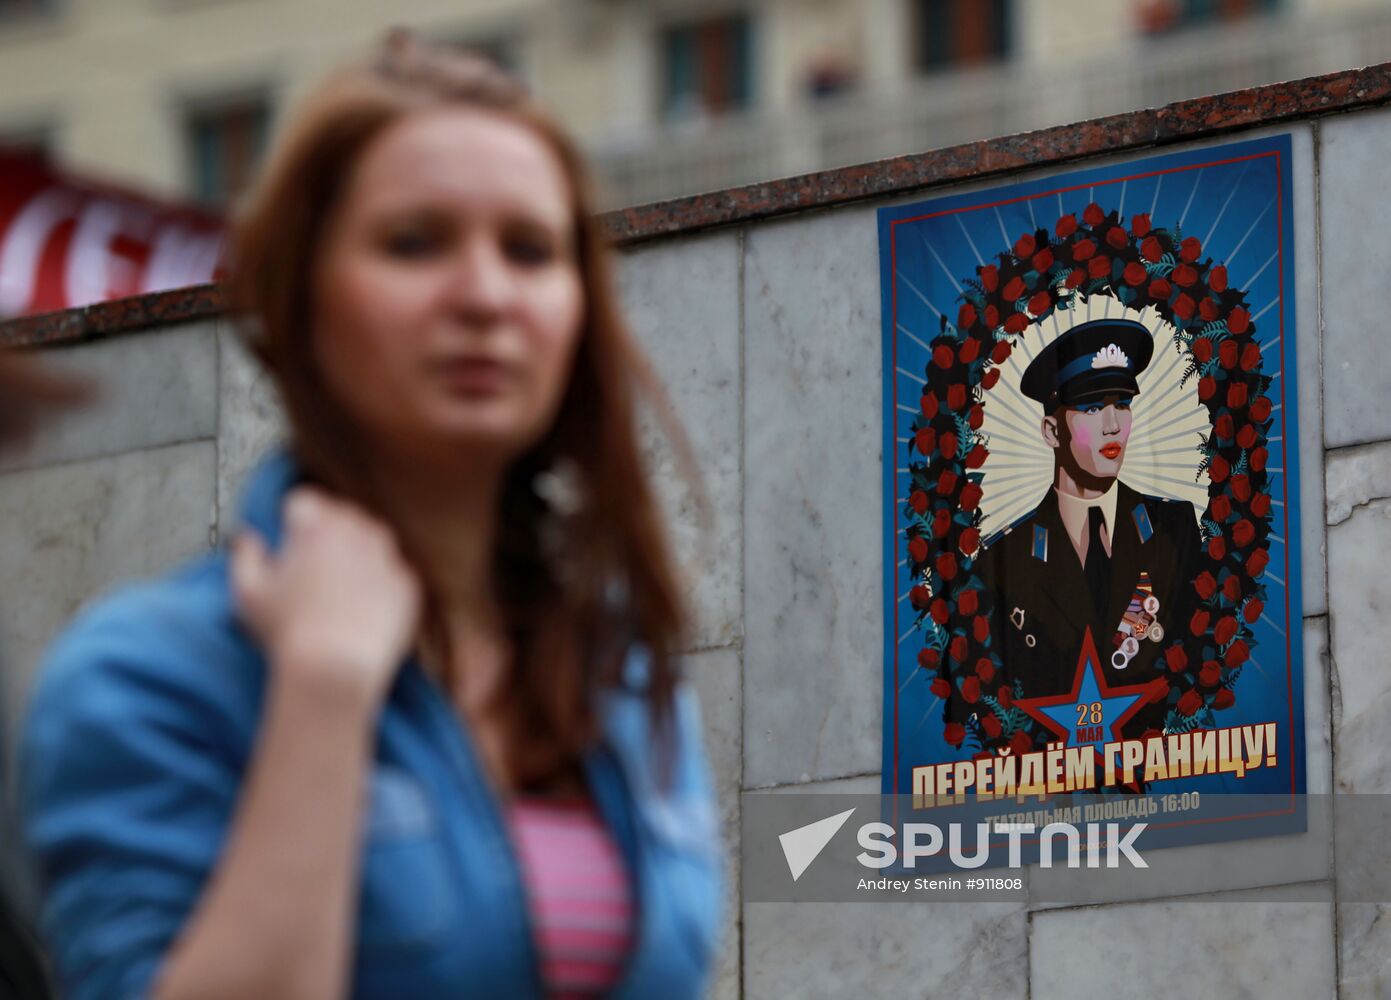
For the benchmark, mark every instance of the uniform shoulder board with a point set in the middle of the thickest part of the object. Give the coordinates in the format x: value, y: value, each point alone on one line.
x: 1141, y: 515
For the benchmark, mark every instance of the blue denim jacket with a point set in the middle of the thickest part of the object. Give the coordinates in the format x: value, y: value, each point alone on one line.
x: 136, y: 743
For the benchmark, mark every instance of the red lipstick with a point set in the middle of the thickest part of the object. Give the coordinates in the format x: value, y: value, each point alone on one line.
x: 1111, y: 451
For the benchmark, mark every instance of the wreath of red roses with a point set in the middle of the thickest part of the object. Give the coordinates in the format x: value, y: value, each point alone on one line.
x: 1140, y: 266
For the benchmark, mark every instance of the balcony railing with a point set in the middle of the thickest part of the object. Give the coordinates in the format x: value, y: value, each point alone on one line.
x: 948, y: 109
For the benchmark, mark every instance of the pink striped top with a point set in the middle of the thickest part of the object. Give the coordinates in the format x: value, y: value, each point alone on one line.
x: 579, y: 893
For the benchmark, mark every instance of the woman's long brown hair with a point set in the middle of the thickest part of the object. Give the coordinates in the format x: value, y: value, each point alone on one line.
x: 571, y: 615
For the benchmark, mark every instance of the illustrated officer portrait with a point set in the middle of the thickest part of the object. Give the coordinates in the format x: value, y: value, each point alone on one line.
x: 1093, y: 552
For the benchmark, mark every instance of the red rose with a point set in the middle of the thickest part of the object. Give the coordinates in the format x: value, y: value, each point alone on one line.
x: 1243, y: 533
x: 1236, y: 395
x: 1231, y: 588
x: 1260, y: 504
x: 1152, y: 250
x: 1176, y: 658
x: 1093, y: 216
x: 1157, y: 690
x: 1200, y: 622
x: 1066, y: 226
x: 1190, y: 249
x: 941, y: 523
x: 1183, y: 306
x: 1083, y: 250
x: 919, y: 596
x: 1184, y: 275
x: 967, y: 601
x: 969, y: 351
x: 1135, y: 274
x: 1222, y: 426
x: 1220, y: 508
x: 992, y: 317
x: 1241, y: 487
x: 1001, y: 352
x: 954, y: 733
x: 1043, y: 260
x: 1004, y: 696
x: 1202, y: 349
x: 989, y: 277
x: 1016, y: 323
x: 1258, y: 459
x: 946, y: 482
x: 1250, y: 356
x: 929, y: 405
x: 956, y: 396
x: 946, y: 565
x: 1099, y: 267
x: 1140, y: 224
x: 1216, y: 548
x: 1223, y: 699
x: 942, y: 356
x: 1207, y: 387
x: 1260, y: 409
x: 1238, y: 320
x: 980, y: 628
x: 1025, y: 246
x: 985, y: 670
x: 991, y: 725
x: 940, y: 687
x: 970, y: 541
x: 1205, y: 585
x: 1040, y: 303
x: 1075, y: 279
x: 1253, y: 610
x: 1160, y: 290
x: 1256, y: 564
x: 958, y: 648
x: 1021, y: 742
x: 976, y: 457
x: 966, y: 318
x: 1014, y: 289
x: 1211, y: 674
x: 970, y: 496
x: 1225, y: 630
x: 975, y: 417
x: 927, y: 658
x: 941, y: 614
x: 926, y: 440
x: 1237, y: 653
x: 917, y: 549
x: 1226, y: 354
x: 988, y: 380
x: 1219, y: 469
x: 1246, y: 437
x: 918, y: 501
x: 947, y: 445
x: 1190, y: 702
x: 1217, y: 278
x: 1207, y: 309
x: 1116, y: 237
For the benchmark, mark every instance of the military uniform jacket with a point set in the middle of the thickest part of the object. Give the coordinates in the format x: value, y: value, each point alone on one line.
x: 1043, y: 604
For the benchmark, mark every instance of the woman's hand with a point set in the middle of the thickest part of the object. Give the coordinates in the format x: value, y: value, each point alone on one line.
x: 338, y: 605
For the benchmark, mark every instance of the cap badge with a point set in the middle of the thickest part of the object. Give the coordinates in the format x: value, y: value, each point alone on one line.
x: 1110, y: 356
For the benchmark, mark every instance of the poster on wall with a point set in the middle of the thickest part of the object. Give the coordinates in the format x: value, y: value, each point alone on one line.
x: 1091, y: 525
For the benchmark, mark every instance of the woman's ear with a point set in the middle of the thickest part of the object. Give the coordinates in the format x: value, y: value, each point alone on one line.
x: 1049, y: 428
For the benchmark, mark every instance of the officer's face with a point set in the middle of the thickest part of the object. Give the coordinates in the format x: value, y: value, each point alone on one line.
x: 1095, y: 434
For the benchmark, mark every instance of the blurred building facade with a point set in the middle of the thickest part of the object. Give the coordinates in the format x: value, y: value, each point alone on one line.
x: 179, y: 97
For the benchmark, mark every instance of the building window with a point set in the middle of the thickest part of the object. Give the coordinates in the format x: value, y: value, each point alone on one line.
x: 708, y: 67
x: 1159, y: 16
x: 952, y: 33
x: 225, y: 144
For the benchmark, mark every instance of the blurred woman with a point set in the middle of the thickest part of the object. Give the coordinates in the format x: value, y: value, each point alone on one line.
x: 422, y: 732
